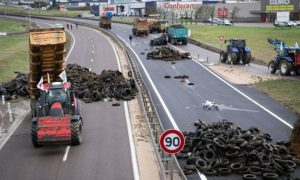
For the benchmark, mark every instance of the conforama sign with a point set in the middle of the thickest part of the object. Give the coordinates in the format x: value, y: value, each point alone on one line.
x: 179, y: 6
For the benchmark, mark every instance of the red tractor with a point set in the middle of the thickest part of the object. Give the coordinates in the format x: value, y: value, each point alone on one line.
x: 57, y: 117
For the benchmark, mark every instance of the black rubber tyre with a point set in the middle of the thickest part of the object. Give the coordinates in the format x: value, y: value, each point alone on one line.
x: 247, y: 58
x: 172, y: 41
x: 184, y: 42
x: 249, y: 177
x: 76, y: 132
x: 272, y: 67
x: 223, y: 56
x: 34, y: 138
x: 297, y: 70
x: 33, y: 106
x: 270, y: 176
x: 233, y: 57
x: 285, y: 68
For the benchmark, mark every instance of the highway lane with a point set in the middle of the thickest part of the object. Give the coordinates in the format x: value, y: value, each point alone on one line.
x: 105, y: 152
x: 179, y: 105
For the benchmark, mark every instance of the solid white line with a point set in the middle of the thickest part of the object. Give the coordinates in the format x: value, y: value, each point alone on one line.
x: 73, y: 44
x: 66, y: 153
x: 202, y: 176
x: 135, y: 167
x: 154, y: 88
x: 240, y: 92
x: 131, y: 144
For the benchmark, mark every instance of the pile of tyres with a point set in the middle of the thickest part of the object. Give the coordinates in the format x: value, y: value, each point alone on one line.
x: 162, y: 40
x: 223, y: 149
x: 90, y: 86
x: 167, y: 54
x: 15, y: 87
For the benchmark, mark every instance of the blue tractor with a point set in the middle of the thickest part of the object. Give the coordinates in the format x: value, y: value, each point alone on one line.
x: 287, y: 58
x: 236, y: 52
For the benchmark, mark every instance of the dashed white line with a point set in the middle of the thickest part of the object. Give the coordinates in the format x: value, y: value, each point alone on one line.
x: 66, y: 154
x: 92, y: 60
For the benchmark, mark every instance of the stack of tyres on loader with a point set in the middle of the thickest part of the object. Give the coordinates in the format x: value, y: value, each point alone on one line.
x: 236, y: 52
x: 55, y: 111
x: 140, y: 27
x: 177, y: 33
x: 287, y: 58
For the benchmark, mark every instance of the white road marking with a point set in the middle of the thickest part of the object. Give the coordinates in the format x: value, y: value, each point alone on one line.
x: 135, y: 168
x: 92, y: 60
x: 66, y: 154
x: 93, y: 51
x: 240, y: 92
x: 202, y: 176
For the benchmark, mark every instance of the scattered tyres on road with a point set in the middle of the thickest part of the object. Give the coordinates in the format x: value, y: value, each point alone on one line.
x: 116, y: 104
x: 162, y: 40
x: 221, y: 149
x: 90, y: 87
x: 167, y: 54
x: 295, y: 139
x: 15, y: 87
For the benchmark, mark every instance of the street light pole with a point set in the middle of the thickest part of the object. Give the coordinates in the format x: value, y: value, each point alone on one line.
x: 5, y: 7
x: 29, y: 16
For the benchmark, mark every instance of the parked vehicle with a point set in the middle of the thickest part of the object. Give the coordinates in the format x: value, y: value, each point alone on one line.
x: 154, y: 26
x: 236, y: 52
x: 176, y: 34
x: 225, y: 22
x: 287, y: 58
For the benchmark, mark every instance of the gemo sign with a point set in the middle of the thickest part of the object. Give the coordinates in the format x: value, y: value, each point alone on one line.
x: 179, y: 6
x: 279, y: 2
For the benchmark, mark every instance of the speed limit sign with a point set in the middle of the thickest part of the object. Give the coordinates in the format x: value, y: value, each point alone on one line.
x: 171, y: 141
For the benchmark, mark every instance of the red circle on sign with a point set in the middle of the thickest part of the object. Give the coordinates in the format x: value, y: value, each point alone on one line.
x: 166, y: 134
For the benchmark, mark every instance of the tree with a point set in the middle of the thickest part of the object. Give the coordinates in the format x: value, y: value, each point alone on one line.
x: 234, y: 13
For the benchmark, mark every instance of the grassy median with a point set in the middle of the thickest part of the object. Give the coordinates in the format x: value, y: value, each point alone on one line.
x: 286, y: 92
x: 256, y: 37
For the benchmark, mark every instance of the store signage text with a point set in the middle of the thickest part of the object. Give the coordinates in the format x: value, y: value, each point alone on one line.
x: 279, y: 2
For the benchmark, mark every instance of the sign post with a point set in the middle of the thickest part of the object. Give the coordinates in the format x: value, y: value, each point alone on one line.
x: 172, y: 141
x: 221, y: 38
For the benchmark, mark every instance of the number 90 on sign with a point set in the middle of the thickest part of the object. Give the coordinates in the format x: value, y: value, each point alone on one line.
x: 172, y: 141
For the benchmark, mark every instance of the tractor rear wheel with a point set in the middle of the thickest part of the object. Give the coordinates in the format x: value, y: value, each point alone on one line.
x: 233, y: 58
x: 76, y: 132
x: 297, y: 70
x: 247, y: 58
x: 34, y: 137
x: 223, y: 56
x: 272, y: 67
x: 285, y: 68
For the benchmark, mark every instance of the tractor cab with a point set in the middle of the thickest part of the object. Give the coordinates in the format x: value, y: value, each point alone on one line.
x: 236, y: 43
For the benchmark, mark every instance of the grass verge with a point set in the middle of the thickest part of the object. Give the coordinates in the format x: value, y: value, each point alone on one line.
x: 256, y: 37
x: 13, y: 57
x: 124, y: 20
x: 286, y: 92
x: 12, y: 26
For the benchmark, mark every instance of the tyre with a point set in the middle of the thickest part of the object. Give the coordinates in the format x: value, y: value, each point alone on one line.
x: 184, y: 42
x: 272, y: 67
x: 247, y: 58
x: 223, y: 56
x: 76, y: 132
x: 172, y: 41
x: 233, y: 58
x: 285, y: 68
x: 33, y: 106
x: 34, y: 138
x: 297, y: 70
x: 168, y: 39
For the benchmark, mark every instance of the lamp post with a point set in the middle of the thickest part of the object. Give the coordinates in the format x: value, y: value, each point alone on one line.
x: 29, y: 16
x: 5, y: 7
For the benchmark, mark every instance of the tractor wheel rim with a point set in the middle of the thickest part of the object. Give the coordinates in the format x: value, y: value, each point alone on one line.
x: 283, y: 67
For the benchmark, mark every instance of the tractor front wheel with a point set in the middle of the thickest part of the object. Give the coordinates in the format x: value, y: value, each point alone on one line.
x: 76, y: 132
x: 285, y: 68
x: 233, y: 58
x: 223, y: 56
x: 247, y: 58
x: 272, y: 67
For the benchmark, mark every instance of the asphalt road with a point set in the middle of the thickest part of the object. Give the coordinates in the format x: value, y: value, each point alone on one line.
x: 105, y: 152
